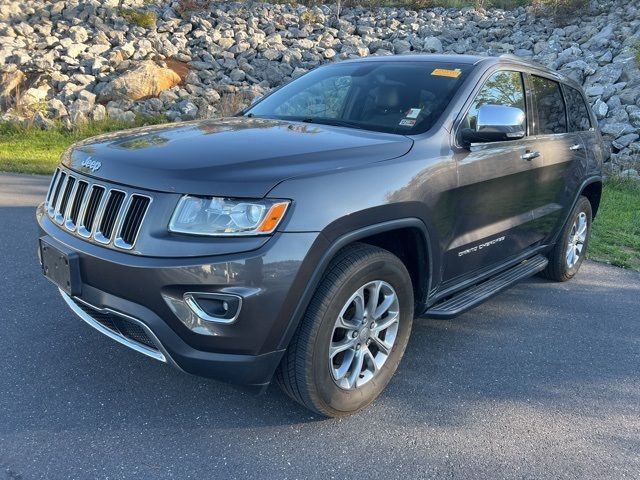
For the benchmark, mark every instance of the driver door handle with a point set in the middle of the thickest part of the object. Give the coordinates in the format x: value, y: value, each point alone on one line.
x: 575, y: 146
x: 528, y: 155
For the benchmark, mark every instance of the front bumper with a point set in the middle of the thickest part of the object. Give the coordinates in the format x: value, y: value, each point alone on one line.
x: 122, y: 296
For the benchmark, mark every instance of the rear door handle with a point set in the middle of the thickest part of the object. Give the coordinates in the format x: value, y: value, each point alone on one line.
x: 530, y: 155
x: 575, y: 146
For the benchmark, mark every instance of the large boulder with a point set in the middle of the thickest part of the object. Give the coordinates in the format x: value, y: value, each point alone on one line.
x: 145, y: 80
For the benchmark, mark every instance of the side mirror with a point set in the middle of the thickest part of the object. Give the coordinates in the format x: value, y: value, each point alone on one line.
x: 496, y: 123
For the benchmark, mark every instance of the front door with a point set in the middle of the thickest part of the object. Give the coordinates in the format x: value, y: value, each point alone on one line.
x: 497, y: 189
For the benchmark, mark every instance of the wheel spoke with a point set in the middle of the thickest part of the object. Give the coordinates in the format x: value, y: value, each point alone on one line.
x: 342, y: 370
x: 383, y: 346
x: 374, y: 294
x: 356, y: 368
x: 372, y: 361
x: 357, y: 301
x: 386, y: 323
x: 381, y: 309
x: 570, y: 256
x: 337, y: 347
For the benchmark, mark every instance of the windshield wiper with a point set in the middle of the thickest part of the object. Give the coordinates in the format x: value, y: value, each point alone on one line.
x: 332, y: 121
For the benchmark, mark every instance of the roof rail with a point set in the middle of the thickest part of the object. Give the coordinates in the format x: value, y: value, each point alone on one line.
x: 511, y: 56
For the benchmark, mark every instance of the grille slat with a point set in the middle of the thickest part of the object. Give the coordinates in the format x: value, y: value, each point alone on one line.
x: 56, y: 195
x: 92, y: 208
x: 66, y: 195
x: 96, y: 212
x: 133, y: 219
x: 110, y: 215
x: 77, y: 202
x: 52, y: 186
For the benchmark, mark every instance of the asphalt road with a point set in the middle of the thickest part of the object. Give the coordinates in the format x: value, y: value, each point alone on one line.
x: 540, y: 382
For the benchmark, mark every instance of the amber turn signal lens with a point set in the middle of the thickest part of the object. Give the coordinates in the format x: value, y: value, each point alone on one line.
x: 270, y: 222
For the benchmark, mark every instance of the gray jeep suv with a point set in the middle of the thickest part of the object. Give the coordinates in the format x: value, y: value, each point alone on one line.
x: 298, y: 240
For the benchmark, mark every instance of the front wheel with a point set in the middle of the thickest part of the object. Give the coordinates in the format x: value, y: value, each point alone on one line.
x: 570, y: 250
x: 353, y: 334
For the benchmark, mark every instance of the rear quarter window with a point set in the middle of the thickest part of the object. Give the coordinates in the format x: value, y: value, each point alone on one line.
x: 577, y: 110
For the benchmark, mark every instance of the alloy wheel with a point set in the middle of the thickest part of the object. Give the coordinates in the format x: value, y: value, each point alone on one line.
x: 364, y: 334
x: 577, y: 238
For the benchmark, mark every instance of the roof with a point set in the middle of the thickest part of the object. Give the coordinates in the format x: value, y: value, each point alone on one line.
x: 424, y: 57
x: 506, y: 59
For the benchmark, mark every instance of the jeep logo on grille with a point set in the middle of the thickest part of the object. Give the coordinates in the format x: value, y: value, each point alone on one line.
x: 92, y: 165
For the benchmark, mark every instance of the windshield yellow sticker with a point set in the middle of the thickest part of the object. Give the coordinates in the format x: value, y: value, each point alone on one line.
x: 445, y: 72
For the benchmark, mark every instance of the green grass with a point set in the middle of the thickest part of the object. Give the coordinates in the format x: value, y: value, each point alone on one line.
x: 615, y: 237
x: 27, y: 149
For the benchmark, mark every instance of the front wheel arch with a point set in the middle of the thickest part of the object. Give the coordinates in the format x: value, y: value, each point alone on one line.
x: 368, y: 232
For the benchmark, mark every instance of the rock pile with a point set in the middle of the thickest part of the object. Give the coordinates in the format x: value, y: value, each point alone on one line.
x: 84, y: 60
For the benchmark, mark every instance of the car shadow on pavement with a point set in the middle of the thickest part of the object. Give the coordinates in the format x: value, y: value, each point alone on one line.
x: 553, y: 346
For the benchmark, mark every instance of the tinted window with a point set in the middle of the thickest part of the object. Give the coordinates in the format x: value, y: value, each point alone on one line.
x: 549, y: 107
x: 502, y: 88
x: 395, y: 97
x: 577, y: 109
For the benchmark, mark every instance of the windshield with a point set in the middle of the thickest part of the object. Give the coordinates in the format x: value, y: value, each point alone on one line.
x: 393, y: 97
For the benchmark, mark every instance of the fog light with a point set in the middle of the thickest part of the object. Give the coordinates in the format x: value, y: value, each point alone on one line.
x: 202, y: 312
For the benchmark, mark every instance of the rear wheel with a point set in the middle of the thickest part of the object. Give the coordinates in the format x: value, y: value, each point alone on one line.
x: 570, y: 250
x: 353, y: 334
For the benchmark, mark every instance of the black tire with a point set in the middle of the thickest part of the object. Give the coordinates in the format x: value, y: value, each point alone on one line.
x: 305, y: 371
x: 558, y: 268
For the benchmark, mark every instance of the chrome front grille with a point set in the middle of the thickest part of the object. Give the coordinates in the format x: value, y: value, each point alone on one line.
x: 94, y: 211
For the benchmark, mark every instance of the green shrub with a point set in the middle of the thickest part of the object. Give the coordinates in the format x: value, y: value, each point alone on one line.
x: 141, y: 19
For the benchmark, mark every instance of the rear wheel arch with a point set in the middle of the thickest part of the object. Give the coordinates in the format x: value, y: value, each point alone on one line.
x: 593, y: 192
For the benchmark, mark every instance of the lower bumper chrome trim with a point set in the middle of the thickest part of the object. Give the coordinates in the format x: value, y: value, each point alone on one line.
x: 159, y: 354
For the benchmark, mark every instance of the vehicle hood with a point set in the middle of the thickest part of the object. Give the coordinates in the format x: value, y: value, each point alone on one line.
x: 241, y: 157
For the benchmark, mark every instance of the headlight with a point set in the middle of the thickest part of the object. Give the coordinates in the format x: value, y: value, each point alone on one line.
x: 217, y: 216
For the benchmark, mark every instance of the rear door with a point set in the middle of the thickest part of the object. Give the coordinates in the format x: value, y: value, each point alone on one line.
x: 557, y: 138
x: 497, y: 188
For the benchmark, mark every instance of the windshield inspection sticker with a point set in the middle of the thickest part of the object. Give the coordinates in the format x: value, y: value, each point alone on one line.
x: 405, y: 122
x: 445, y: 72
x: 413, y: 113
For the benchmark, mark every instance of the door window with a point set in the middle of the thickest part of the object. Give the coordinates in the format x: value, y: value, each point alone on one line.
x: 550, y: 116
x: 577, y: 108
x: 502, y: 88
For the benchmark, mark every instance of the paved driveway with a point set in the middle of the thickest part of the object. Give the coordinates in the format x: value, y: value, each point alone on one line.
x: 540, y: 382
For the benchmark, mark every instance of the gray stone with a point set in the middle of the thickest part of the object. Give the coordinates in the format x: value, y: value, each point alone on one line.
x: 601, y: 109
x: 42, y: 122
x: 56, y: 108
x: 75, y: 49
x: 432, y: 45
x: 625, y: 140
x: 630, y: 173
x: 594, y: 90
x: 98, y: 113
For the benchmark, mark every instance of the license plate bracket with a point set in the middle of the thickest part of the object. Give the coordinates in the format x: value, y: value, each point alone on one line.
x: 61, y: 266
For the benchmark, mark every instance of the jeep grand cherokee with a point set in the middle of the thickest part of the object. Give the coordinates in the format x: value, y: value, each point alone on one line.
x: 298, y: 240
